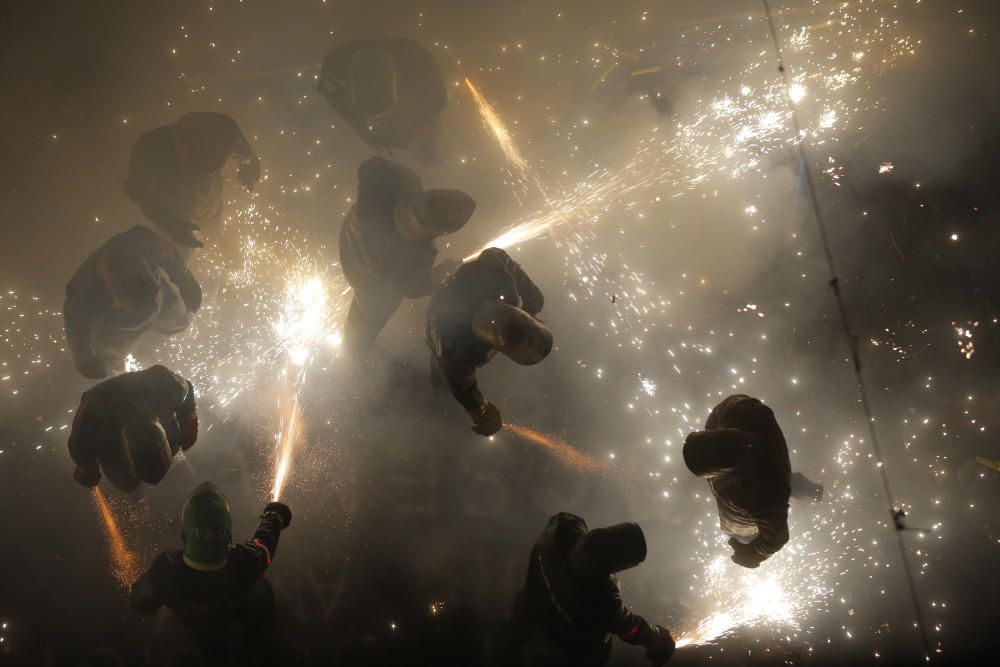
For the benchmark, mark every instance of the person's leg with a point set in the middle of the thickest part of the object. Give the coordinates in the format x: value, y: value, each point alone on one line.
x: 370, y: 311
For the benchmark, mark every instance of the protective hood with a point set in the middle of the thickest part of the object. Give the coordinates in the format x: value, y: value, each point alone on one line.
x: 603, y: 551
x: 206, y: 528
x: 147, y: 445
x: 512, y: 331
x: 432, y: 213
x: 204, y: 140
x: 373, y: 81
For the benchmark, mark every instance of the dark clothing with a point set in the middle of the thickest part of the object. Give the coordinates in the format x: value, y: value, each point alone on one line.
x: 98, y: 334
x: 492, y: 276
x: 96, y: 439
x: 214, y: 599
x: 420, y: 91
x: 561, y: 619
x: 381, y: 266
x: 169, y: 194
x: 743, y: 455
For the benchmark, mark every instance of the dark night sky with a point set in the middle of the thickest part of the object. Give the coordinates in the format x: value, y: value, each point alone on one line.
x: 397, y: 505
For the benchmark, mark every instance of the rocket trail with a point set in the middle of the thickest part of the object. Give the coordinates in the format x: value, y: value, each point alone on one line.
x: 497, y: 128
x: 290, y: 433
x: 124, y: 564
x: 560, y: 449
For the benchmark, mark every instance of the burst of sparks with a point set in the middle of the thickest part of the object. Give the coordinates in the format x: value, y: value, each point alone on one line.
x: 124, y: 564
x: 562, y: 450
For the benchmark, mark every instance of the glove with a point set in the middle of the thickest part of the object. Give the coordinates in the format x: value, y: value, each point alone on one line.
x: 744, y: 554
x: 280, y: 510
x: 486, y: 419
x: 661, y: 647
x: 249, y: 173
x: 88, y: 477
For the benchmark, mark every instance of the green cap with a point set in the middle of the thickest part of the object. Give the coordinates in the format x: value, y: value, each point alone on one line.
x: 206, y: 528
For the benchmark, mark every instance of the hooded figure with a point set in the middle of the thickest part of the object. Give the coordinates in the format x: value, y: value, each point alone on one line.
x: 743, y: 455
x: 391, y: 93
x: 387, y: 247
x: 175, y: 176
x: 571, y: 605
x: 211, y: 583
x: 488, y: 305
x: 135, y: 282
x: 132, y: 426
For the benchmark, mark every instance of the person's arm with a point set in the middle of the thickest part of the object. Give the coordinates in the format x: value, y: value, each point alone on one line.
x: 532, y: 299
x: 264, y: 544
x: 83, y: 439
x: 619, y: 620
x: 145, y: 596
x: 462, y: 382
x: 718, y: 451
x: 773, y: 534
x: 79, y: 324
x: 249, y: 163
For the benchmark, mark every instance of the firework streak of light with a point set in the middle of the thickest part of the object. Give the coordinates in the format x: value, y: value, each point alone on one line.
x: 124, y: 564
x: 302, y: 326
x: 498, y: 129
x: 286, y: 447
x: 560, y: 449
x: 525, y: 176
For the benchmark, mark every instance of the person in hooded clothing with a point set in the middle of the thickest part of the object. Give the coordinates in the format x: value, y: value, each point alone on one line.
x: 135, y: 282
x: 387, y: 247
x: 571, y: 604
x: 210, y: 583
x: 488, y: 305
x: 743, y: 455
x: 391, y: 93
x: 175, y: 173
x: 132, y: 426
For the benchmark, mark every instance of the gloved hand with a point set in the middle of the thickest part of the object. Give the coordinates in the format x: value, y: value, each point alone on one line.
x: 87, y: 476
x: 486, y: 420
x: 661, y: 647
x: 281, y: 510
x: 744, y: 554
x: 249, y: 173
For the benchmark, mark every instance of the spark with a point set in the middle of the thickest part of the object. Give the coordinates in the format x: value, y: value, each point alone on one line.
x: 290, y: 434
x: 497, y: 128
x: 561, y: 449
x: 124, y: 564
